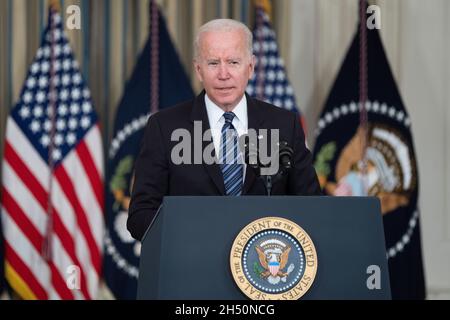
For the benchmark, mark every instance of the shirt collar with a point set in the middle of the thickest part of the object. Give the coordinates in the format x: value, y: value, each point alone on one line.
x: 215, y: 113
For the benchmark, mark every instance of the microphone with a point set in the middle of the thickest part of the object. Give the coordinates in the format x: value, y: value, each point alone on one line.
x: 285, y: 153
x: 251, y: 158
x: 251, y: 155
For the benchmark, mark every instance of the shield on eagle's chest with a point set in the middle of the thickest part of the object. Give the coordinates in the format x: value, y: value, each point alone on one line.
x: 274, y: 267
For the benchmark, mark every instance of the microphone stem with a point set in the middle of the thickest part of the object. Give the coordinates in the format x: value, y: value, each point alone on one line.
x: 269, y: 185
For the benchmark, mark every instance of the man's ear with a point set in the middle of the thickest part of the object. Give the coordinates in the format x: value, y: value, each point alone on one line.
x: 197, y: 70
x: 252, y: 66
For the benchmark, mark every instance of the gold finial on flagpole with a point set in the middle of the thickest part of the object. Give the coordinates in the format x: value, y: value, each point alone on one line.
x: 55, y: 4
x: 266, y: 5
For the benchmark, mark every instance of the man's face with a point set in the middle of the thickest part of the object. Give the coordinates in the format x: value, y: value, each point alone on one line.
x: 224, y: 66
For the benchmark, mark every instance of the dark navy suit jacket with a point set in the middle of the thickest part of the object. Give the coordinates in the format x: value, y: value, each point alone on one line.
x: 157, y: 176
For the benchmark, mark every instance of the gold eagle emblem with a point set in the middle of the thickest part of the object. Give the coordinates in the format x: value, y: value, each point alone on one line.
x: 273, y: 261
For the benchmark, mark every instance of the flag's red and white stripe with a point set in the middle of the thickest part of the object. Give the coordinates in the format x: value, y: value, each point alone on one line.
x: 77, y: 201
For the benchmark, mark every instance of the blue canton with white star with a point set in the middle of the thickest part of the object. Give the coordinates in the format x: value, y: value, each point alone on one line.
x: 272, y: 75
x: 74, y: 112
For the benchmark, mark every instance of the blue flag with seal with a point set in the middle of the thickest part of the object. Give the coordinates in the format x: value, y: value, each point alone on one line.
x: 121, y: 251
x: 389, y: 170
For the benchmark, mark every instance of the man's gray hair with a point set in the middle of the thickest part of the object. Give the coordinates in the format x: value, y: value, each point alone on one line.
x: 225, y: 25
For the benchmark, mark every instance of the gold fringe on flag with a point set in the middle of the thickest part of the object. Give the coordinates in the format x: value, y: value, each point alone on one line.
x: 55, y: 4
x: 266, y: 5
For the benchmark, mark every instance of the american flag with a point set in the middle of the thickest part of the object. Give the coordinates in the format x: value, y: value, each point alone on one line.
x: 52, y: 188
x: 270, y: 82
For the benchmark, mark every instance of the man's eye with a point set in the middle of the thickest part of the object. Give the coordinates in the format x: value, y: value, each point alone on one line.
x: 213, y: 63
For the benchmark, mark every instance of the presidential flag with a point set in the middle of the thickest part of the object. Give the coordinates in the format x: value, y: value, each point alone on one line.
x: 270, y: 82
x: 171, y: 86
x: 375, y: 157
x: 52, y: 186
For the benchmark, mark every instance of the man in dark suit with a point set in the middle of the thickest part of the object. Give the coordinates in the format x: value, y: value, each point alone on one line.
x: 224, y: 63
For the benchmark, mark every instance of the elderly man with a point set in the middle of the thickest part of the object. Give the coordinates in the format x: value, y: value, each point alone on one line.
x: 224, y: 63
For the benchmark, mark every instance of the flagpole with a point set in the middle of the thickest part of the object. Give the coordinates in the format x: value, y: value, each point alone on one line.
x: 363, y: 91
x: 261, y: 5
x: 46, y: 246
x: 154, y: 63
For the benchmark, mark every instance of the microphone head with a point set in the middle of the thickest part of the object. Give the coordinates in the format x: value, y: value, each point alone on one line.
x: 286, y: 153
x: 251, y: 154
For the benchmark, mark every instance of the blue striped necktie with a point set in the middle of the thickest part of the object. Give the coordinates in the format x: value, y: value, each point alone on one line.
x: 231, y: 164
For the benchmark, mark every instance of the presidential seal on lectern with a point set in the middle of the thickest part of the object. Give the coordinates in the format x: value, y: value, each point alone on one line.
x: 273, y: 258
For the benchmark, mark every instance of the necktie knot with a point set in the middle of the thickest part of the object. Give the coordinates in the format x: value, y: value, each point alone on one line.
x: 229, y: 116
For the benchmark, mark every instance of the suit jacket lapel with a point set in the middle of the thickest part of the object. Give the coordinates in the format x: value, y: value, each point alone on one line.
x: 199, y: 114
x: 255, y: 119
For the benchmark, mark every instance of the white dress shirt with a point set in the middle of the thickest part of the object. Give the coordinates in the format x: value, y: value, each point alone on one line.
x: 216, y: 122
